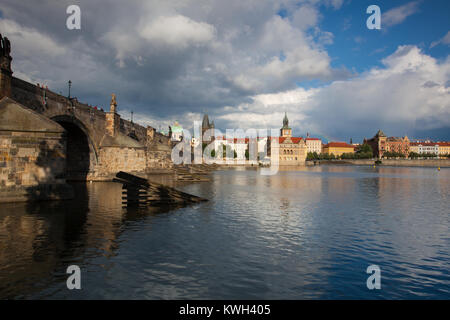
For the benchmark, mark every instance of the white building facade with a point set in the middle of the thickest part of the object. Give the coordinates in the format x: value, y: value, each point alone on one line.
x: 424, y: 147
x: 314, y: 145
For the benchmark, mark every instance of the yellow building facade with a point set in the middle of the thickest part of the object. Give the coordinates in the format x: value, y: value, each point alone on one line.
x: 444, y: 148
x: 338, y: 148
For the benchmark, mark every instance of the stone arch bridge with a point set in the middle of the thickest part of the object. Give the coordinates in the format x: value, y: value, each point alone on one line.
x: 98, y: 143
x: 46, y: 139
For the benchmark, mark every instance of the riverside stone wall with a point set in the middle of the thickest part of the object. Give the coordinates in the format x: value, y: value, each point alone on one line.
x: 442, y: 163
x: 159, y: 160
x: 115, y: 159
x: 32, y: 166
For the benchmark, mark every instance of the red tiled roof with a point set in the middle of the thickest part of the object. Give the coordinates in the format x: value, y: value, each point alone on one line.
x: 443, y: 144
x: 312, y: 139
x: 293, y: 139
x: 339, y: 145
x: 395, y: 138
x: 427, y: 144
x: 235, y: 140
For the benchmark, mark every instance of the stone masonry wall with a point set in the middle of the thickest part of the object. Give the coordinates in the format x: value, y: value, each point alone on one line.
x: 115, y: 159
x: 29, y: 163
x: 158, y: 160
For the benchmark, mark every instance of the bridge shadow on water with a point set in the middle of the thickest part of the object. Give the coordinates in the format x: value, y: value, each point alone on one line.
x: 40, y: 239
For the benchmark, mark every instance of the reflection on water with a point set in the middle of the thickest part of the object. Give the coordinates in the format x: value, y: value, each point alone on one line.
x: 309, y: 233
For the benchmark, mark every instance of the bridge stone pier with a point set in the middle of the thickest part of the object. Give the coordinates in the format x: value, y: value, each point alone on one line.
x: 40, y: 128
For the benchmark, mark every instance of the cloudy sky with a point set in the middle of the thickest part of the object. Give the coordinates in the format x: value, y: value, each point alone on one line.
x: 246, y: 62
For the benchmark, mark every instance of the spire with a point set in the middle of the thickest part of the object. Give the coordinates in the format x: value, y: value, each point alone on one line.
x: 380, y: 133
x: 205, y: 123
x: 285, y: 121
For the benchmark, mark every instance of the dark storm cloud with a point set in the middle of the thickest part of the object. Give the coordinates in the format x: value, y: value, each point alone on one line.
x: 163, y: 57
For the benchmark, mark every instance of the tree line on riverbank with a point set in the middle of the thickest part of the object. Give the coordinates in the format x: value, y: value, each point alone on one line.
x: 362, y: 152
x: 365, y: 152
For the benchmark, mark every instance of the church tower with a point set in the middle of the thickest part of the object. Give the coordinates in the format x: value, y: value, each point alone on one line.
x: 206, y: 125
x: 285, y: 130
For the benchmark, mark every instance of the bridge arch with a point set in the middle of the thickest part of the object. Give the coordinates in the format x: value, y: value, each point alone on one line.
x: 82, y: 154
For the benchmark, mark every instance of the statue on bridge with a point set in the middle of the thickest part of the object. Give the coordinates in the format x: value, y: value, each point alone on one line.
x: 5, y: 67
x: 5, y: 46
x: 113, y: 103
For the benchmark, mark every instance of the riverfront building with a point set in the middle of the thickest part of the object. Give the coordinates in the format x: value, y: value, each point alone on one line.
x: 399, y: 145
x: 425, y: 147
x: 313, y: 145
x: 444, y: 148
x: 441, y: 149
x: 381, y: 144
x: 290, y: 150
x: 338, y: 148
x: 233, y: 147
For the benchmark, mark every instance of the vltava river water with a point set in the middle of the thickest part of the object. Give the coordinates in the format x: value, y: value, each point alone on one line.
x: 300, y: 234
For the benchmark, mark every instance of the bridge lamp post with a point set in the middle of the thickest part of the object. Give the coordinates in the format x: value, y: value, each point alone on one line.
x: 70, y: 85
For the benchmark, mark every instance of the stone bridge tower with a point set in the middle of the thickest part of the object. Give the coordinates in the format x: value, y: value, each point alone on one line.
x: 5, y: 67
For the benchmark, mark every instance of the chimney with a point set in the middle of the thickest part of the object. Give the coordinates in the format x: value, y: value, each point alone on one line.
x: 5, y: 67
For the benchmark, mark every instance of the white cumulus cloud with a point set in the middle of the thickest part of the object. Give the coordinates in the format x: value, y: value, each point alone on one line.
x: 178, y: 31
x: 397, y: 98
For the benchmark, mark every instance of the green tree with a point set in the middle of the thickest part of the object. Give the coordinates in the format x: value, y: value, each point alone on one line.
x: 393, y: 154
x: 364, y: 152
x: 310, y: 156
